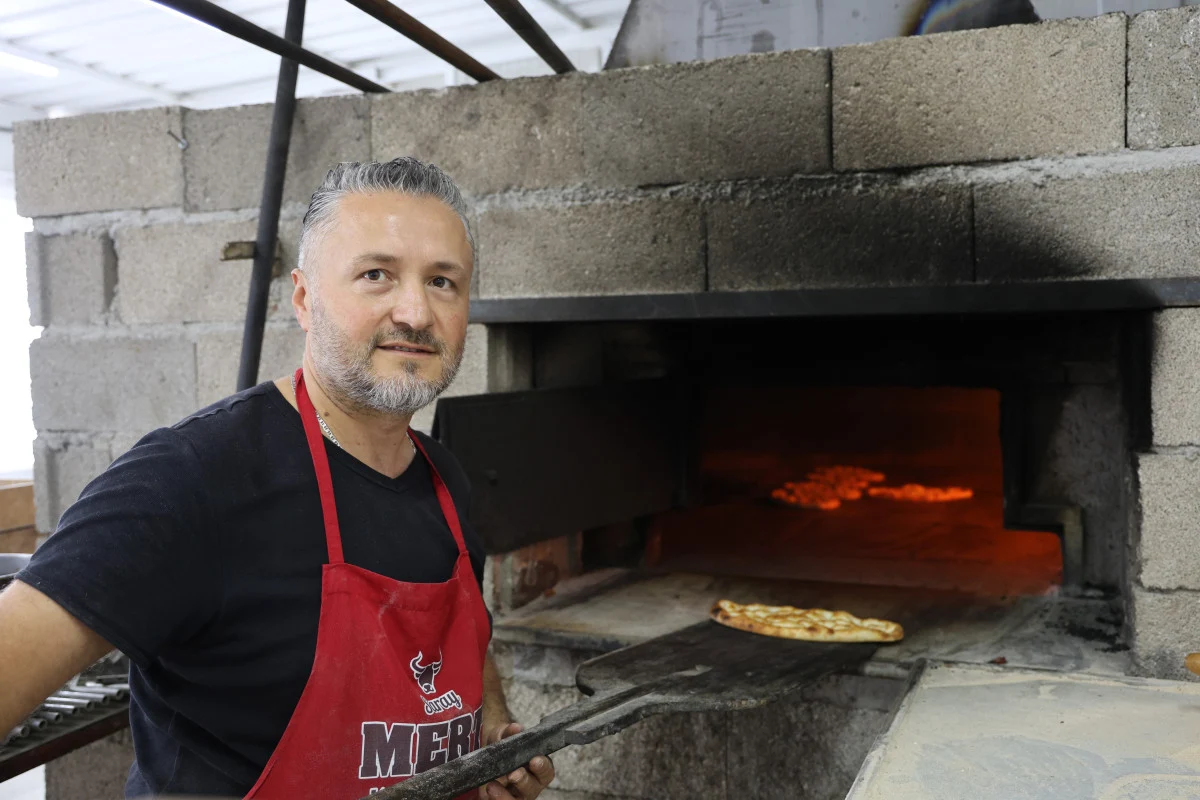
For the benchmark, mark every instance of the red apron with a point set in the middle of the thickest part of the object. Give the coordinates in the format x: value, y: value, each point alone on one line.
x: 397, y: 683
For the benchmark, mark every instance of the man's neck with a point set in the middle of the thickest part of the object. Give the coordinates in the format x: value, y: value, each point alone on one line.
x: 378, y: 440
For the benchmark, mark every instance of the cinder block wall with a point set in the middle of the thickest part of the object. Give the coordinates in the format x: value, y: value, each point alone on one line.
x: 1063, y: 150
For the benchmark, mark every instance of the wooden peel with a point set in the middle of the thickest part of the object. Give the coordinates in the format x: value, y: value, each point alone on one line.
x: 1193, y: 663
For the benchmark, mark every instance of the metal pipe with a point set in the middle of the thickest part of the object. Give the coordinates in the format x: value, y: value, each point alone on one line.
x: 78, y: 694
x: 72, y: 701
x: 212, y: 14
x: 115, y: 692
x: 272, y: 201
x: 409, y: 27
x: 525, y: 26
x: 63, y: 708
x: 49, y: 716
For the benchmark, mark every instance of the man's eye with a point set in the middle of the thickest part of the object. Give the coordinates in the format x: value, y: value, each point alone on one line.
x: 442, y: 282
x: 373, y: 275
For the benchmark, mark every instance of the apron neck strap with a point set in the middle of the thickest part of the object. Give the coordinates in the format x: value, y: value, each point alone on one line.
x: 320, y: 459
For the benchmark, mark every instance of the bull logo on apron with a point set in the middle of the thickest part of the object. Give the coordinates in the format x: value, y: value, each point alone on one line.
x: 425, y: 675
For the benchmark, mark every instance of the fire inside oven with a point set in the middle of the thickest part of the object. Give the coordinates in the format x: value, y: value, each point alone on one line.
x: 878, y: 485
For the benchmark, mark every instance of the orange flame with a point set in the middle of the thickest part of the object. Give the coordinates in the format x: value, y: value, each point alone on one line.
x: 916, y: 493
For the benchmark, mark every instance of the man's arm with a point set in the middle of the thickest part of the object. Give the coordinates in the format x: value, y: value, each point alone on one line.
x: 41, y: 648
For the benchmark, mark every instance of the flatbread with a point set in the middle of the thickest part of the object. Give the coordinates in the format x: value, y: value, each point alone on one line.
x: 805, y: 624
x: 916, y: 493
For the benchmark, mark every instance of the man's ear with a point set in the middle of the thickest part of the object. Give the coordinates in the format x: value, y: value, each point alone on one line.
x: 301, y: 299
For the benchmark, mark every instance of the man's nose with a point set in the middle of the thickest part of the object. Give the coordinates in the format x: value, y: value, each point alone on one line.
x: 410, y: 306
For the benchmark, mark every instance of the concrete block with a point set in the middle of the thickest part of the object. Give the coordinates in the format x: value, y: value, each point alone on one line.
x: 71, y: 278
x: 623, y: 247
x: 763, y: 745
x: 1169, y: 557
x: 1164, y: 78
x: 219, y: 353
x: 672, y: 757
x: 1012, y: 92
x: 63, y: 465
x: 224, y: 163
x: 824, y: 235
x: 173, y: 273
x: 748, y: 116
x: 1128, y: 224
x: 99, y: 162
x: 124, y: 382
x: 522, y: 133
x: 1164, y: 628
x: 1174, y: 373
x: 96, y: 771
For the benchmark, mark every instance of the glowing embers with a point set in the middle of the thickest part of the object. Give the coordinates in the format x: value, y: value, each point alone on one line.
x: 916, y: 493
x: 827, y: 487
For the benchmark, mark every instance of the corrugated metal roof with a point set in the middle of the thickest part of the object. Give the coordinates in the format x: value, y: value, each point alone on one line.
x: 122, y: 54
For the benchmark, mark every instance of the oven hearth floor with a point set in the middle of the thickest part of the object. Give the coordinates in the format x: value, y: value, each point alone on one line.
x: 609, y: 609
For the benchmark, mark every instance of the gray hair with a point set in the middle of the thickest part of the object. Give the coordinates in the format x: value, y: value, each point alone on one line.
x: 404, y: 175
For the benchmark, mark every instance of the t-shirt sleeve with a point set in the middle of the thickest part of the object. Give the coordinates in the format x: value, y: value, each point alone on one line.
x: 131, y: 558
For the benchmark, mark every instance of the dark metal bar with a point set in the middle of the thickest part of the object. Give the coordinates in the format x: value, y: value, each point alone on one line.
x: 1007, y: 298
x: 409, y: 27
x: 212, y: 14
x: 525, y: 26
x: 272, y: 201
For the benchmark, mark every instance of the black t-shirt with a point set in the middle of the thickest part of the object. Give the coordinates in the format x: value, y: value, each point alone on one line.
x: 198, y: 554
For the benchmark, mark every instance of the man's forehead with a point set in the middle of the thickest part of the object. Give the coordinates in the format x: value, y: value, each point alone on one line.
x: 378, y: 222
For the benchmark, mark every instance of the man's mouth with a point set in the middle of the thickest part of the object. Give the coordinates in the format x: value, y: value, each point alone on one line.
x: 408, y: 349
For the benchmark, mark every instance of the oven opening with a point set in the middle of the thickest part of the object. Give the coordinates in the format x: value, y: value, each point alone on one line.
x: 882, y: 485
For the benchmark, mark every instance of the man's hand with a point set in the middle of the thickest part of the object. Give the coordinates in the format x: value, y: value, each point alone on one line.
x: 525, y: 783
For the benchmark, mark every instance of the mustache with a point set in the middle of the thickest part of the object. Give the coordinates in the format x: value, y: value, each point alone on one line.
x: 408, y: 336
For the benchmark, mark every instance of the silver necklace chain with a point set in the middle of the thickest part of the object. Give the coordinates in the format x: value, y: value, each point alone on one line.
x: 329, y: 434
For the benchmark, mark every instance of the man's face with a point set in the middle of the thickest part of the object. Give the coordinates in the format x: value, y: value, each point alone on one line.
x: 385, y: 302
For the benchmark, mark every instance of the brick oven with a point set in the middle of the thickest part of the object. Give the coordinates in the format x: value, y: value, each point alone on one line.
x: 960, y: 261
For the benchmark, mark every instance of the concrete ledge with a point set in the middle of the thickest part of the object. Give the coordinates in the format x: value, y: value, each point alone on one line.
x: 748, y: 116
x: 820, y: 234
x: 1169, y: 557
x: 122, y: 382
x: 1165, y: 628
x: 1164, y: 78
x: 70, y: 278
x: 99, y: 162
x: 1120, y: 224
x: 490, y: 137
x: 1013, y: 92
x: 640, y: 246
x: 224, y: 163
x: 96, y: 771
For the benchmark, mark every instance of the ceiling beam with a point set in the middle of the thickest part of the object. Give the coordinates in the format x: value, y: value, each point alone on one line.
x: 564, y: 12
x: 83, y: 70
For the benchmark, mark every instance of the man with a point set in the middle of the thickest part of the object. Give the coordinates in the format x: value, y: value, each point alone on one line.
x: 288, y: 569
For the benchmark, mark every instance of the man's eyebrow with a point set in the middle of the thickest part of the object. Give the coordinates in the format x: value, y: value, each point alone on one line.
x: 450, y: 266
x: 376, y: 258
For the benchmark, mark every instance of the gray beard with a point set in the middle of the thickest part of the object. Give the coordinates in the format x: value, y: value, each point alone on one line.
x: 345, y: 369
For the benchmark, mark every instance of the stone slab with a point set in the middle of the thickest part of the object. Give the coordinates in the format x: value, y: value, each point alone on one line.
x: 1165, y: 628
x: 748, y: 116
x: 70, y: 278
x: 825, y: 235
x: 1118, y: 224
x: 1168, y: 557
x: 643, y: 246
x: 522, y: 133
x: 173, y: 273
x: 96, y: 771
x: 99, y: 162
x: 226, y: 157
x: 120, y: 382
x: 1164, y: 78
x: 1012, y: 92
x: 1175, y: 377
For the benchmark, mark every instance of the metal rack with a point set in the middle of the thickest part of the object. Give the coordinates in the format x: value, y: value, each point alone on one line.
x: 292, y: 54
